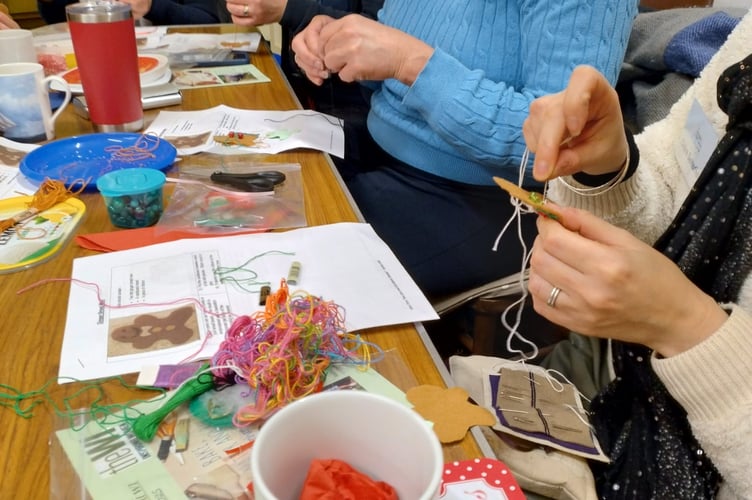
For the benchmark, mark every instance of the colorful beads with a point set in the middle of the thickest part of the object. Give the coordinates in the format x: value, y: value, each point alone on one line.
x: 140, y: 210
x: 133, y: 196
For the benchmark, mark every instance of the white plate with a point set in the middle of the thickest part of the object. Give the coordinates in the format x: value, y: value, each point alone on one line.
x: 157, y: 75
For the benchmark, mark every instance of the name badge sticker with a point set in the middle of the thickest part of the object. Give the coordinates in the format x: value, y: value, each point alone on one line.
x: 696, y: 143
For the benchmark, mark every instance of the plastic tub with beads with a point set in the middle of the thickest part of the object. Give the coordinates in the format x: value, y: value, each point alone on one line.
x: 133, y: 196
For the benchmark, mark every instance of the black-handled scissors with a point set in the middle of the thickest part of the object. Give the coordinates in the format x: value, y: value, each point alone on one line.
x: 255, y: 182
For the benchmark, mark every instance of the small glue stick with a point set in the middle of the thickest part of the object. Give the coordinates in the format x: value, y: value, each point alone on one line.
x: 294, y: 274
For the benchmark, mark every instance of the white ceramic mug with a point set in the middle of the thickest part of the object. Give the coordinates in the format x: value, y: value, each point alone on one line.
x: 25, y: 114
x: 17, y: 46
x: 374, y: 434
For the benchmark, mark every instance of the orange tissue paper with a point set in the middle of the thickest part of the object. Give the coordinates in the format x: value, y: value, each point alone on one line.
x: 332, y: 479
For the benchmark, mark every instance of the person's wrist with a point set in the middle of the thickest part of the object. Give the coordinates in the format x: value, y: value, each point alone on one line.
x: 632, y: 159
x: 412, y: 64
x: 692, y: 329
x: 602, y: 184
x: 592, y: 180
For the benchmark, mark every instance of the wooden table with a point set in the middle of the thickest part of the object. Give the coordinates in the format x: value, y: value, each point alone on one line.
x: 32, y: 323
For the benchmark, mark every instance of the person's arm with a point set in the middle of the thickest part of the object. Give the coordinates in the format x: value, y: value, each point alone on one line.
x: 711, y: 382
x: 294, y: 15
x: 6, y: 22
x: 358, y: 49
x: 581, y: 130
x: 162, y: 12
x: 646, y: 203
x: 624, y: 290
x: 707, y: 365
x: 628, y: 291
x: 481, y: 118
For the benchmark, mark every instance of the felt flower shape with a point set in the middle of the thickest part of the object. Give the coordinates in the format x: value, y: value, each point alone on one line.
x: 449, y: 410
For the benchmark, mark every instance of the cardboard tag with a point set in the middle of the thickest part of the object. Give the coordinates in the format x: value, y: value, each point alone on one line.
x: 536, y: 201
x: 449, y: 410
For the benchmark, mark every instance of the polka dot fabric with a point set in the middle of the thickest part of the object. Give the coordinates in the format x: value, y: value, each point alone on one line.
x: 479, y: 479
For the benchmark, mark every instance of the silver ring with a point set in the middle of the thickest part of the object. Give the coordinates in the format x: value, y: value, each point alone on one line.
x: 551, y: 302
x: 245, y: 10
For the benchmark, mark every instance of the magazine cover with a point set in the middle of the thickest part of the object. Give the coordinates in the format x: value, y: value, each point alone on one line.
x: 188, y: 458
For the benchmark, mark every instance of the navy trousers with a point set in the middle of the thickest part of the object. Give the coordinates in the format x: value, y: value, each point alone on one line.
x: 442, y: 231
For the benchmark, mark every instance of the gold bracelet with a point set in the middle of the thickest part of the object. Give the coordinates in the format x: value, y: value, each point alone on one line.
x: 603, y: 188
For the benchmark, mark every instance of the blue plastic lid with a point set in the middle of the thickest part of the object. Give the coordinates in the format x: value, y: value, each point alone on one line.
x: 130, y: 181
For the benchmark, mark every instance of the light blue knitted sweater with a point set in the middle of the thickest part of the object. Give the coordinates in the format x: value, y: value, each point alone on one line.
x: 462, y: 118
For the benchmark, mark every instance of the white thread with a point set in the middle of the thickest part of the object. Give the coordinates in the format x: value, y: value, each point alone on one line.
x: 229, y: 366
x: 537, y: 414
x: 582, y: 419
x: 549, y: 376
x: 514, y: 411
x: 519, y: 209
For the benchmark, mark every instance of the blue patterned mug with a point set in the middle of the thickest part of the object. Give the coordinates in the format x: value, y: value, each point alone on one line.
x: 25, y: 113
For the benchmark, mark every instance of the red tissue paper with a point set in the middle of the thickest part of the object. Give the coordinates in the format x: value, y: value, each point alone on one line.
x: 332, y: 479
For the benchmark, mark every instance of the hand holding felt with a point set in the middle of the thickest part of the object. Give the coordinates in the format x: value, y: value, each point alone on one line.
x: 449, y: 410
x: 332, y: 479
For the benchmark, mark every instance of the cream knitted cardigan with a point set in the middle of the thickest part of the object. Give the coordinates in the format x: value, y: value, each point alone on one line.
x: 713, y: 380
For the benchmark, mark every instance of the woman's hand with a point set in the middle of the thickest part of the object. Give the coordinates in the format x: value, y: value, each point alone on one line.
x: 309, y: 49
x: 7, y: 22
x: 615, y: 286
x: 256, y: 12
x: 358, y: 48
x: 139, y: 8
x: 577, y: 130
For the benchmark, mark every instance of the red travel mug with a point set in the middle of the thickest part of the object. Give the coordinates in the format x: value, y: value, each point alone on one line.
x: 104, y: 42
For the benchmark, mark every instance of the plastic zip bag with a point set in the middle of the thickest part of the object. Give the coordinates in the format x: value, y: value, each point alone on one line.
x: 202, y: 206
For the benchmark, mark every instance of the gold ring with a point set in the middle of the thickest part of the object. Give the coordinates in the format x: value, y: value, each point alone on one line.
x: 245, y: 10
x: 551, y: 302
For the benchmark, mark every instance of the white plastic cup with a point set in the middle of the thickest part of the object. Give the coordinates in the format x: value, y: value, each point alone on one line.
x: 374, y: 434
x: 17, y: 45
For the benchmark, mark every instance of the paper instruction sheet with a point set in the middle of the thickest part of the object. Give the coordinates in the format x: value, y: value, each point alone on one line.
x: 226, y: 130
x: 168, y: 302
x: 12, y: 182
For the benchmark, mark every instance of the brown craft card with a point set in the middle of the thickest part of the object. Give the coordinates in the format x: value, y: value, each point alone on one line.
x: 531, y: 403
x: 449, y: 410
x: 536, y: 201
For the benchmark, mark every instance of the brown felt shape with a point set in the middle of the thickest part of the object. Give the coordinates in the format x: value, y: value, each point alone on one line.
x: 449, y: 410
